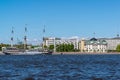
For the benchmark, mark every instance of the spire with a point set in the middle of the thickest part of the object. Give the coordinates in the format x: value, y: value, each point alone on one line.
x: 94, y: 34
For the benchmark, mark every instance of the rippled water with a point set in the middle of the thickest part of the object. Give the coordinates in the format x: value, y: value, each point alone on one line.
x: 60, y: 67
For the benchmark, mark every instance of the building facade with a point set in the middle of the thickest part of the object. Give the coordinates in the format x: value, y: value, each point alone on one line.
x: 57, y: 41
x: 94, y: 45
x: 112, y: 43
x: 82, y: 45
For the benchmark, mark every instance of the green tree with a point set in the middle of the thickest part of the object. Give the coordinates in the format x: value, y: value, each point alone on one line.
x: 51, y: 47
x: 71, y: 47
x: 65, y: 48
x: 3, y: 45
x: 45, y: 47
x: 118, y: 48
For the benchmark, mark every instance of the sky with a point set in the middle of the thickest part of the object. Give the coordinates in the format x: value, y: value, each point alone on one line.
x: 61, y: 18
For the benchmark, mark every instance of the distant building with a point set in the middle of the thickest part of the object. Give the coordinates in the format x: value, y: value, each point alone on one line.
x: 57, y: 41
x: 82, y: 45
x: 50, y: 41
x: 93, y: 45
x: 112, y: 43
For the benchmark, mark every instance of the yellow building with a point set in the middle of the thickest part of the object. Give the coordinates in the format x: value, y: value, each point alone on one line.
x: 82, y: 45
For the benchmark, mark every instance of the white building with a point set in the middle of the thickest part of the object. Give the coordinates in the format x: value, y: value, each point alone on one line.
x: 57, y: 41
x: 95, y: 45
x: 112, y: 43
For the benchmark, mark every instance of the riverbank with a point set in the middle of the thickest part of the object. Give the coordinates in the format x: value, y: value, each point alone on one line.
x: 79, y: 53
x: 74, y: 53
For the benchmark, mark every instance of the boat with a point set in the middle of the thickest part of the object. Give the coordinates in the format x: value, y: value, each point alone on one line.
x: 12, y: 51
x: 33, y: 52
x: 47, y: 52
x: 16, y: 51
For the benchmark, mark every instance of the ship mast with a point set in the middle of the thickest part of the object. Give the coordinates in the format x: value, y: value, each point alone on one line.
x: 43, y: 38
x: 12, y: 32
x: 25, y: 38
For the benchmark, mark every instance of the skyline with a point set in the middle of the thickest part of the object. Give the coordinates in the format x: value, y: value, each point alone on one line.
x: 62, y: 18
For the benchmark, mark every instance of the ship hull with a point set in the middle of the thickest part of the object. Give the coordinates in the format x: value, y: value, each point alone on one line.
x: 27, y: 53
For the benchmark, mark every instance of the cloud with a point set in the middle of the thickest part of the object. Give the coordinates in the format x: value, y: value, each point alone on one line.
x: 73, y: 37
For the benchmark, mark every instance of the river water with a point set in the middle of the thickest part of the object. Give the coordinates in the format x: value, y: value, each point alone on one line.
x: 60, y: 67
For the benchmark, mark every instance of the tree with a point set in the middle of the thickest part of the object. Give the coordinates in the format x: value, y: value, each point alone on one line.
x: 118, y: 48
x: 3, y: 45
x: 71, y: 47
x: 51, y: 47
x: 65, y: 48
x: 45, y: 47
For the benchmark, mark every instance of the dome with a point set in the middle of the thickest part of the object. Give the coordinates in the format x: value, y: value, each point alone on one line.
x: 93, y: 39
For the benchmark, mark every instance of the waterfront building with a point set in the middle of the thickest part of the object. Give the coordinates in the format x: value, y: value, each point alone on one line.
x: 50, y: 41
x: 58, y: 41
x: 112, y: 43
x: 94, y: 45
x: 82, y: 45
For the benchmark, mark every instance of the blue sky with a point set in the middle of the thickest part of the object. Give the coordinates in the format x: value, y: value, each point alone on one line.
x: 62, y: 18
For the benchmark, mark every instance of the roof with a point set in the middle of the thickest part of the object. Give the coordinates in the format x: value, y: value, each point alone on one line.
x: 95, y: 41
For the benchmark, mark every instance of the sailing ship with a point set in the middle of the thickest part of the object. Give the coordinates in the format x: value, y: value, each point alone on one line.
x: 11, y: 50
x: 15, y: 51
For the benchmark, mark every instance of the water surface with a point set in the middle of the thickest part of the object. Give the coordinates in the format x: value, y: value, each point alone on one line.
x: 60, y: 67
